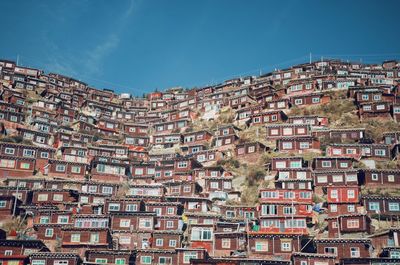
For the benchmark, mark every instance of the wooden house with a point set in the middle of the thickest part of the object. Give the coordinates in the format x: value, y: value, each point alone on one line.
x: 342, y: 247
x: 383, y: 206
x: 287, y: 130
x: 348, y: 224
x: 298, y: 144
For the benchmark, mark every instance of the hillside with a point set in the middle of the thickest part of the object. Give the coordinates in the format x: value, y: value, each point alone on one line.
x: 304, y: 157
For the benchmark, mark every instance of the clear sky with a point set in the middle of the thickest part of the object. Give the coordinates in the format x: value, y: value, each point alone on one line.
x: 138, y: 46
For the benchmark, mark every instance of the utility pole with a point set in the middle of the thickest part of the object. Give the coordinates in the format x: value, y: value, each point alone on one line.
x: 17, y: 59
x: 15, y: 199
x: 310, y: 57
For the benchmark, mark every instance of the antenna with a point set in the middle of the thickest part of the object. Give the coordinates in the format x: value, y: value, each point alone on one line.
x: 310, y: 57
x: 17, y: 59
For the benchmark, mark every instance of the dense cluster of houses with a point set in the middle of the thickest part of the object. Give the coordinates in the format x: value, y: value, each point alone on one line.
x: 89, y: 176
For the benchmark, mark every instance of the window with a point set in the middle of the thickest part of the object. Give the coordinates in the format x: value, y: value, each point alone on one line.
x: 100, y: 260
x: 42, y: 197
x: 62, y: 219
x: 172, y: 243
x: 94, y: 238
x: 29, y: 153
x: 113, y: 207
x: 189, y: 255
x: 315, y: 100
x: 227, y: 185
x: 268, y: 209
x: 326, y: 163
x: 391, y: 178
x: 394, y: 206
x: 334, y: 194
x: 304, y: 145
x: 49, y: 232
x: 351, y: 208
x: 58, y: 197
x: 76, y: 169
x: 380, y: 152
x: 287, y: 145
x: 287, y: 131
x: 333, y: 208
x: 107, y: 190
x: 374, y: 176
x: 350, y: 178
x: 170, y: 224
x: 44, y: 220
x: 170, y: 210
x: 120, y: 261
x: 145, y: 223
x: 187, y: 188
x: 337, y: 178
x: 353, y: 223
x: 281, y: 164
x: 351, y: 194
x: 157, y: 211
x: 159, y: 242
x: 374, y: 206
x: 298, y: 101
x: 182, y: 164
x: 124, y: 223
x: 164, y: 260
x: 322, y: 179
x: 330, y: 250
x: 25, y: 165
x: 60, y: 168
x: 380, y: 107
x: 75, y: 238
x: 9, y: 151
x: 252, y: 149
x: 288, y: 210
x: 7, y: 163
x: 226, y: 243
x: 138, y: 171
x: 286, y: 246
x: 355, y: 252
x: 201, y: 234
x: 131, y: 207
x: 367, y: 107
x: 214, y: 185
x: 395, y: 254
x: 38, y: 262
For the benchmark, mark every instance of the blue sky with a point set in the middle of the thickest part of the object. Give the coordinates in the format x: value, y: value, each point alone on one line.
x: 138, y: 46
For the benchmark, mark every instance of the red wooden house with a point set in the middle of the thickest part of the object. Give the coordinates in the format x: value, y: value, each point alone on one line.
x: 375, y: 110
x: 66, y: 169
x: 383, y: 206
x: 343, y: 194
x: 309, y: 99
x: 298, y: 144
x: 273, y: 246
x: 313, y: 120
x: 374, y: 178
x: 291, y: 162
x: 357, y: 151
x: 348, y: 224
x: 343, y: 248
x: 287, y: 130
x: 267, y: 117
